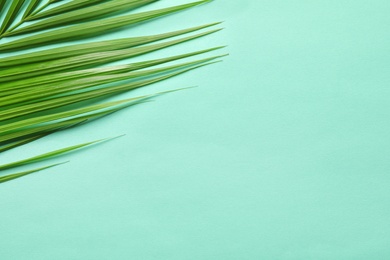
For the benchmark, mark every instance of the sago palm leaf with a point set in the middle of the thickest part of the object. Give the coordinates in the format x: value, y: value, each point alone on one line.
x: 50, y: 90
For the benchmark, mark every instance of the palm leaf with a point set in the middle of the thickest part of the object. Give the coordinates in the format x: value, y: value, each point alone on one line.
x: 50, y: 90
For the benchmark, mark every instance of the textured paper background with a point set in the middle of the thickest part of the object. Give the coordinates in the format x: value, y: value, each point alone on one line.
x: 282, y: 152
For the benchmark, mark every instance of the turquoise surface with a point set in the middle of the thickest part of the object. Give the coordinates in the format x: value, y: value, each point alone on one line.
x: 282, y: 152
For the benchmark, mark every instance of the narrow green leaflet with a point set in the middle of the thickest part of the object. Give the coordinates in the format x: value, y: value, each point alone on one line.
x: 20, y: 125
x: 46, y: 129
x: 67, y: 89
x: 47, y: 156
x: 11, y: 14
x: 88, y: 29
x: 94, y: 12
x: 14, y: 87
x: 39, y: 129
x: 90, y: 12
x: 13, y: 176
x: 29, y: 70
x: 60, y: 121
x: 86, y: 48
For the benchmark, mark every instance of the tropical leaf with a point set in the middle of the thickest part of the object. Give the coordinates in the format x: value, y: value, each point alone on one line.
x: 57, y: 88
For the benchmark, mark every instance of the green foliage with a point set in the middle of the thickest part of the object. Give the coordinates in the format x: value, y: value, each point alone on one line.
x: 36, y: 83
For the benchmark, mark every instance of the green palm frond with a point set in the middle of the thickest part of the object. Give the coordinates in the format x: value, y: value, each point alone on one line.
x: 56, y: 88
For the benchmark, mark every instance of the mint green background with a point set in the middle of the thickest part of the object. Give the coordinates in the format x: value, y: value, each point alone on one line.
x: 282, y: 152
